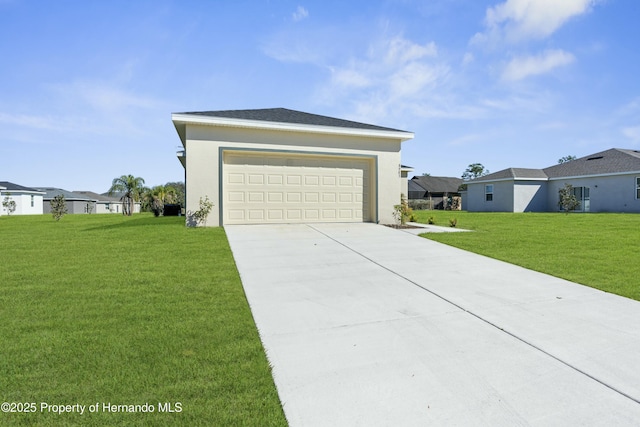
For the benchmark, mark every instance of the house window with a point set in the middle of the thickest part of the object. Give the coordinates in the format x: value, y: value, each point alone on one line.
x: 32, y: 202
x: 638, y: 187
x: 488, y: 193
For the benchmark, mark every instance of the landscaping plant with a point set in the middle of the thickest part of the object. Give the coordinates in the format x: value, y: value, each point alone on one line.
x: 9, y: 205
x: 58, y: 207
x: 402, y: 212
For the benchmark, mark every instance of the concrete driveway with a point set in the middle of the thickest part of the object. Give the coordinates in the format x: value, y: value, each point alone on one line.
x: 365, y: 325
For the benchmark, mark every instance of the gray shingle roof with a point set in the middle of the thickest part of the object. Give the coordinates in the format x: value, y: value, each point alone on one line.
x: 514, y: 173
x: 10, y: 186
x: 615, y: 160
x: 98, y: 197
x: 438, y: 184
x: 414, y: 186
x: 51, y: 192
x: 283, y: 115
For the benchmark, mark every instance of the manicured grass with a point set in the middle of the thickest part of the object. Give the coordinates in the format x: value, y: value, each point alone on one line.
x: 598, y: 250
x: 127, y: 311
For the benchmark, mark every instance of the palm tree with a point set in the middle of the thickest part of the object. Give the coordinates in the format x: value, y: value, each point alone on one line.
x: 131, y: 189
x: 159, y: 195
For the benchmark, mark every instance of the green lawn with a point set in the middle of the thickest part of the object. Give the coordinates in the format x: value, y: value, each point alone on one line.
x: 598, y: 250
x: 128, y: 311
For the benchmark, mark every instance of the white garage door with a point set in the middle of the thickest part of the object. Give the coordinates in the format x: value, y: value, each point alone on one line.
x: 263, y: 188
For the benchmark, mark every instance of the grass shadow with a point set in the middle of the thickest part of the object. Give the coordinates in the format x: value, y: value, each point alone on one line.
x: 141, y: 222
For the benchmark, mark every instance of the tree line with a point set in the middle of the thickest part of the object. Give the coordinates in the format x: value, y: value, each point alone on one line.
x: 132, y: 190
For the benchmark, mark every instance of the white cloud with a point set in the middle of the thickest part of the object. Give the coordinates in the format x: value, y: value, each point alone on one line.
x: 632, y: 133
x: 300, y: 14
x: 394, y: 76
x: 104, y: 96
x: 30, y: 121
x: 350, y: 78
x: 400, y: 50
x: 525, y: 66
x: 519, y: 20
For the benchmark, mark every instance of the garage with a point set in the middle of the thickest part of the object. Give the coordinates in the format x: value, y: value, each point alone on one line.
x: 288, y: 188
x: 277, y: 165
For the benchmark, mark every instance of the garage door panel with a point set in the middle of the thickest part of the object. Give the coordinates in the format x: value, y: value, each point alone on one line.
x: 255, y: 179
x: 329, y: 181
x: 275, y: 214
x: 256, y: 214
x: 294, y: 180
x: 294, y: 214
x: 236, y: 215
x: 312, y: 180
x: 328, y: 197
x: 235, y: 196
x: 294, y: 197
x: 275, y: 179
x: 275, y: 197
x: 264, y: 188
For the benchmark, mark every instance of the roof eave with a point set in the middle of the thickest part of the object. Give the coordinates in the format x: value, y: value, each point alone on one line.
x: 180, y: 121
x: 598, y: 175
x: 480, y: 181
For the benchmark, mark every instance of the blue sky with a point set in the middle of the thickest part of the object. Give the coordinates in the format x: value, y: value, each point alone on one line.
x: 87, y: 88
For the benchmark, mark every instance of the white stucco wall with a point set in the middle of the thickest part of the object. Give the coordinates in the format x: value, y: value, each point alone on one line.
x: 23, y: 203
x: 203, y: 144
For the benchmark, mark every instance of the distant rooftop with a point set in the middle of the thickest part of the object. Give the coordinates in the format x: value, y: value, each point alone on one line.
x: 615, y: 160
x: 612, y: 161
x: 96, y: 196
x: 438, y: 184
x: 51, y: 192
x: 10, y: 186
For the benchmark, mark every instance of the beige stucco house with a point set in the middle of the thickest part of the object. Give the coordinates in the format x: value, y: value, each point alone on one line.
x: 284, y: 166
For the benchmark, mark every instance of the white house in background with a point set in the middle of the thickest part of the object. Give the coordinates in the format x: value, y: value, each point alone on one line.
x: 284, y: 166
x: 76, y: 203
x: 608, y: 181
x: 103, y: 204
x: 29, y: 201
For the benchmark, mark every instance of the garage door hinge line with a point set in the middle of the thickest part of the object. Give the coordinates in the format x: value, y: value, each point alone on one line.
x: 524, y: 341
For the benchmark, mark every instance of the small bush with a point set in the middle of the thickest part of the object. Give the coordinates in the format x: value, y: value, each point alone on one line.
x: 453, y: 222
x: 431, y: 220
x: 58, y: 207
x: 200, y: 216
x: 402, y: 212
x: 421, y: 204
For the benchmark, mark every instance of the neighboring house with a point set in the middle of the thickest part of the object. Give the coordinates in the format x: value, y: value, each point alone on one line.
x: 28, y: 200
x: 439, y: 190
x: 103, y: 204
x: 284, y: 166
x: 117, y: 199
x: 608, y: 181
x: 76, y: 203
